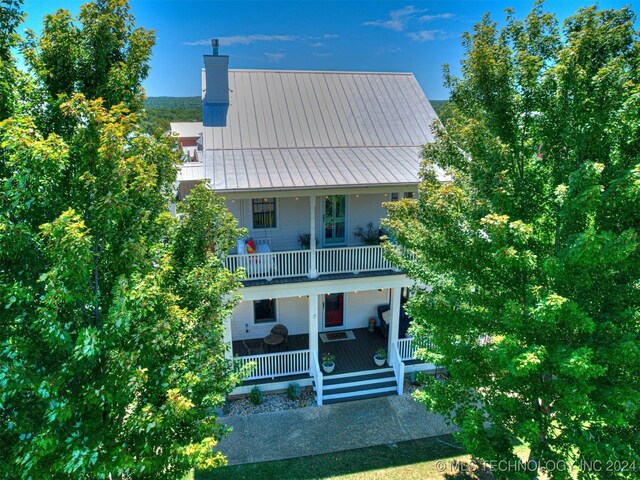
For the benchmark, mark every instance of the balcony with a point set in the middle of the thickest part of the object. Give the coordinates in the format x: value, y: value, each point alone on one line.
x: 310, y: 263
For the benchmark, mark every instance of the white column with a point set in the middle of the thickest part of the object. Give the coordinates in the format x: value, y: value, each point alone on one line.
x: 394, y: 325
x: 227, y: 338
x: 313, y: 323
x: 313, y: 269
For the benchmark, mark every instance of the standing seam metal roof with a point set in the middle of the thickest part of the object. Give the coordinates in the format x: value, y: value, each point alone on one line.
x: 308, y: 129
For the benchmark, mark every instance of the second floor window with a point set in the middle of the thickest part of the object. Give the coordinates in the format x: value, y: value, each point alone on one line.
x: 264, y: 213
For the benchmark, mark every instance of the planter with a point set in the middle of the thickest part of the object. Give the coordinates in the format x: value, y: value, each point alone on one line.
x: 379, y: 360
x: 328, y: 366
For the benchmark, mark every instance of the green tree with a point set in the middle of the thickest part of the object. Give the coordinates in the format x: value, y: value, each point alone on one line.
x: 101, y: 54
x: 111, y: 353
x: 10, y: 17
x: 533, y: 243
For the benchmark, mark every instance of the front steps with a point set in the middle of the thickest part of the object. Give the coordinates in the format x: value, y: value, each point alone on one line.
x: 358, y: 385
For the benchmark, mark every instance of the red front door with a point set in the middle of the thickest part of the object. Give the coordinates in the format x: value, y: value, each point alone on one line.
x: 334, y: 310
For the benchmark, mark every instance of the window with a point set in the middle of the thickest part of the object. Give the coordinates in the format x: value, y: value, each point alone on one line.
x: 394, y: 197
x: 408, y: 194
x: 264, y: 212
x: 264, y: 311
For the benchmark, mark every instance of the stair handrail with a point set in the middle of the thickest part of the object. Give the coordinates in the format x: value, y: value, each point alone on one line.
x: 317, y: 375
x: 398, y: 367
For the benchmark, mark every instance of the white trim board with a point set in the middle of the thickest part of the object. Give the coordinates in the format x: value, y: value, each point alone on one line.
x: 318, y: 287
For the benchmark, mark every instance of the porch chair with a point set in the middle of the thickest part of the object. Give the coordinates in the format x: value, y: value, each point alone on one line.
x: 254, y: 347
x: 405, y: 321
x: 280, y: 329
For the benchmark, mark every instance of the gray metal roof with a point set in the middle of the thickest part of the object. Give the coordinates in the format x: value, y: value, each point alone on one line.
x: 290, y: 168
x: 298, y: 129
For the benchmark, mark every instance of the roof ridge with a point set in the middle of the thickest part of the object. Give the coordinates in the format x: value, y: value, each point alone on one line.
x: 332, y: 72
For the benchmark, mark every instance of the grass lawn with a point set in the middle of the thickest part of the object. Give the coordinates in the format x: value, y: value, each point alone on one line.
x: 417, y: 459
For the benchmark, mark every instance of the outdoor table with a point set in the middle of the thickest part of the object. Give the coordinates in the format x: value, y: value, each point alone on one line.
x: 273, y: 340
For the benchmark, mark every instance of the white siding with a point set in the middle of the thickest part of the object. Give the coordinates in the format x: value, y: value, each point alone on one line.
x: 362, y: 210
x: 294, y: 218
x: 363, y: 305
x: 292, y: 312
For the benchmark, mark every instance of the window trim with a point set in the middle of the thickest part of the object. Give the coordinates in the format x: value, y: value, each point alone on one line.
x: 276, y: 211
x: 275, y: 312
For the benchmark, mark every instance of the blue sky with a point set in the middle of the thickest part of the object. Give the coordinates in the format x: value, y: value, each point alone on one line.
x: 402, y: 36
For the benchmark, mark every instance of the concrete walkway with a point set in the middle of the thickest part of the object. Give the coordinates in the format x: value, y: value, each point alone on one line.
x: 329, y: 428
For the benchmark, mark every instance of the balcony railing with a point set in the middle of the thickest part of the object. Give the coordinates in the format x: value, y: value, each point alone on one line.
x: 272, y: 365
x: 271, y: 265
x: 407, y: 348
x: 351, y: 260
x: 297, y: 263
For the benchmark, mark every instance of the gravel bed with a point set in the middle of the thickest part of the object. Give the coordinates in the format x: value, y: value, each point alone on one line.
x: 409, y: 388
x: 273, y: 402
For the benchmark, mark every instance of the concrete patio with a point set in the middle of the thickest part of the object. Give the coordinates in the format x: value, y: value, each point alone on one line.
x: 328, y: 428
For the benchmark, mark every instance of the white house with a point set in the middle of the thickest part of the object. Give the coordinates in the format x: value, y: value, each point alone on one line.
x: 305, y: 160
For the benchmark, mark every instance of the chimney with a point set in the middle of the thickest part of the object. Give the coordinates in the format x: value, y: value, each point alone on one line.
x: 215, y: 103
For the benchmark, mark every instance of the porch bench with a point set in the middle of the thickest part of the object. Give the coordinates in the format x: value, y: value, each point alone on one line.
x: 405, y: 321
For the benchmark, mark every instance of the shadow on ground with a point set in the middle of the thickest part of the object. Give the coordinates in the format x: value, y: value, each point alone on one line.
x: 435, y: 457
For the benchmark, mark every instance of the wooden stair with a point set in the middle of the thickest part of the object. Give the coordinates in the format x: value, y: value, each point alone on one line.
x: 359, y: 385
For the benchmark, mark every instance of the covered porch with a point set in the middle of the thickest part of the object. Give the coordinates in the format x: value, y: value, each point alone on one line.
x: 352, y: 355
x: 306, y: 236
x: 331, y: 316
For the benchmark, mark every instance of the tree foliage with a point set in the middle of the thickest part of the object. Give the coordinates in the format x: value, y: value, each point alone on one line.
x: 534, y: 243
x: 10, y: 18
x: 101, y: 54
x: 111, y: 353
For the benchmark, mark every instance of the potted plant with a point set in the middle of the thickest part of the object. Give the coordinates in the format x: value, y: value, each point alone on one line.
x: 328, y: 362
x: 370, y: 236
x: 380, y: 356
x: 304, y: 240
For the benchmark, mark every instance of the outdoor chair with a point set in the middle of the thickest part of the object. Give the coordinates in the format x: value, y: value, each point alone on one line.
x: 254, y: 347
x: 280, y: 329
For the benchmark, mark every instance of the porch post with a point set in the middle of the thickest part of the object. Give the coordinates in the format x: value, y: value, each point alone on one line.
x: 313, y: 269
x: 227, y: 338
x: 313, y: 322
x: 394, y: 325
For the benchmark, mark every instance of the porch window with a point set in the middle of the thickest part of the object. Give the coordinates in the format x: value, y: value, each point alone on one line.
x: 264, y: 212
x: 264, y: 311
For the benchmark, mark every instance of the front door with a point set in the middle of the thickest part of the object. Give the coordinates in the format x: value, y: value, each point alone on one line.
x: 335, y: 207
x: 333, y: 311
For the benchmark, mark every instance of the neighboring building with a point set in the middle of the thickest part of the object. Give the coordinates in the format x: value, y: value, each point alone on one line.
x: 305, y: 159
x: 189, y: 138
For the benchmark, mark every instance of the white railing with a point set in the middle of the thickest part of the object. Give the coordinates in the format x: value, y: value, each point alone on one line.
x: 296, y: 263
x: 273, y: 365
x: 398, y: 367
x: 271, y: 265
x: 407, y: 348
x: 316, y: 373
x: 366, y: 258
